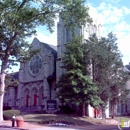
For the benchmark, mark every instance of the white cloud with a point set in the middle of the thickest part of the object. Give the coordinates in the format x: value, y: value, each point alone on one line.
x: 102, y: 6
x: 51, y: 39
x: 106, y: 13
x: 124, y: 43
x: 126, y: 10
x: 122, y: 26
x: 112, y: 19
x: 120, y: 34
x: 109, y: 13
x: 95, y: 15
x: 43, y: 35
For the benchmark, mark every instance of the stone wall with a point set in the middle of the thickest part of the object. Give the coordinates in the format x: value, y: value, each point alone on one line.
x: 33, y: 89
x: 9, y: 97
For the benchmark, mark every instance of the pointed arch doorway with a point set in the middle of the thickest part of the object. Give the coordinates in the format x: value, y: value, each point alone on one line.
x: 35, y: 96
x: 26, y: 97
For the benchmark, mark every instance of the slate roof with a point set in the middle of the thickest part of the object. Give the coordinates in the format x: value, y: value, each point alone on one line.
x: 15, y: 75
x: 51, y: 47
x: 128, y: 67
x: 54, y: 52
x: 48, y: 46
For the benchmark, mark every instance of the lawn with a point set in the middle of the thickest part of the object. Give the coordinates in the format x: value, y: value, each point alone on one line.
x: 47, y: 118
x: 125, y: 118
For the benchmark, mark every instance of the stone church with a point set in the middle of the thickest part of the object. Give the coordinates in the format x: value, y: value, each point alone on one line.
x: 37, y: 77
x: 36, y: 80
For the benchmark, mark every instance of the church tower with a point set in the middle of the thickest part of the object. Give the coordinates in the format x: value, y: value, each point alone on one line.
x: 64, y: 35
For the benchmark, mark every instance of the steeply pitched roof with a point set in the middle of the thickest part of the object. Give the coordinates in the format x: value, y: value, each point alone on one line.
x: 48, y: 46
x: 54, y: 52
x: 127, y: 68
x: 15, y: 75
x: 52, y: 46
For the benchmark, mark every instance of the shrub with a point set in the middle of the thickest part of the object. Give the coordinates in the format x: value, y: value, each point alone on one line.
x: 66, y: 109
x: 6, y: 108
x: 8, y: 114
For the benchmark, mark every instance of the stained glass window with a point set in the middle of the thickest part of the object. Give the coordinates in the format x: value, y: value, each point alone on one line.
x: 35, y: 64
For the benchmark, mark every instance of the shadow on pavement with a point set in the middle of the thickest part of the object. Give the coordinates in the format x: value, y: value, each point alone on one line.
x: 4, y: 126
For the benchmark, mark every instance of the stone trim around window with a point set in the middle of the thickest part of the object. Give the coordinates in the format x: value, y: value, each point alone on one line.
x: 35, y: 65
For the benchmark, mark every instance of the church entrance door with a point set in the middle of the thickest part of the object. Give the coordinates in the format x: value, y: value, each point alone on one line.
x: 35, y: 99
x: 27, y: 98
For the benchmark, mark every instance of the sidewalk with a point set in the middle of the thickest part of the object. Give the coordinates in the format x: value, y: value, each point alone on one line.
x: 6, y: 125
x: 26, y: 126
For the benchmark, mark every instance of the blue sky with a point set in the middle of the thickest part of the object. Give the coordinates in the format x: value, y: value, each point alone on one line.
x: 114, y: 15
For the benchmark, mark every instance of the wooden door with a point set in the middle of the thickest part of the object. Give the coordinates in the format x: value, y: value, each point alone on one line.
x: 27, y: 98
x: 35, y: 99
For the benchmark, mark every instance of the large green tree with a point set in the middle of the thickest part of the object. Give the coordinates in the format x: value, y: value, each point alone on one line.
x: 19, y: 19
x: 118, y: 78
x: 106, y: 64
x: 74, y: 86
x: 118, y: 89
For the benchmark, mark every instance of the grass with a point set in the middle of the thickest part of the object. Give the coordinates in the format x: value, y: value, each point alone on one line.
x: 47, y: 118
x: 125, y: 118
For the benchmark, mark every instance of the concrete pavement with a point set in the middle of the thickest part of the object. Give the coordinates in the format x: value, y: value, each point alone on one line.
x: 6, y: 125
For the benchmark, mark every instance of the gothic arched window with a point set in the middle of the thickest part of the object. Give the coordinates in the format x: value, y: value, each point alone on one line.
x: 67, y: 34
x: 95, y: 29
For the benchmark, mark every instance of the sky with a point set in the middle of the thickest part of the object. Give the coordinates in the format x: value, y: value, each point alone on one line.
x: 113, y: 15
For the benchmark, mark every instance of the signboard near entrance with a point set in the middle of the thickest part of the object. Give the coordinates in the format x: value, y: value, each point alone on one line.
x: 51, y: 105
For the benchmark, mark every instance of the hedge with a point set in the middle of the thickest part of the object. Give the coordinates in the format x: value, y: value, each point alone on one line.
x: 8, y: 114
x: 6, y: 108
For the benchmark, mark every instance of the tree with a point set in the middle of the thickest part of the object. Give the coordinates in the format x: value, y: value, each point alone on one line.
x: 105, y: 58
x: 118, y: 77
x: 118, y: 90
x: 19, y: 19
x: 74, y: 86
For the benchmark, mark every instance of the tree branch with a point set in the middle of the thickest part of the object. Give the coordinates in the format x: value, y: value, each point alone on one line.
x: 7, y: 53
x: 22, y: 4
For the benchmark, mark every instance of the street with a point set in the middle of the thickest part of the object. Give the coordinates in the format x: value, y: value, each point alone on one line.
x: 91, y: 127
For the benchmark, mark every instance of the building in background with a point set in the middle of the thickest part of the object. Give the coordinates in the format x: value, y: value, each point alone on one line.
x: 124, y: 108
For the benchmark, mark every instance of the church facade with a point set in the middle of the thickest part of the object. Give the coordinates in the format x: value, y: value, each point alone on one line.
x: 36, y: 80
x: 37, y: 77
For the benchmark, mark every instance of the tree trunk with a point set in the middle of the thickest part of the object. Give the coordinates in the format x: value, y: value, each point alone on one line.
x: 2, y: 88
x: 103, y: 113
x: 83, y: 109
x: 112, y: 111
x: 95, y: 113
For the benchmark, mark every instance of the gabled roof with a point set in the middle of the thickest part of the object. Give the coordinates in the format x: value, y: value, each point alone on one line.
x: 48, y: 46
x: 54, y: 52
x: 15, y: 75
x: 127, y: 68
